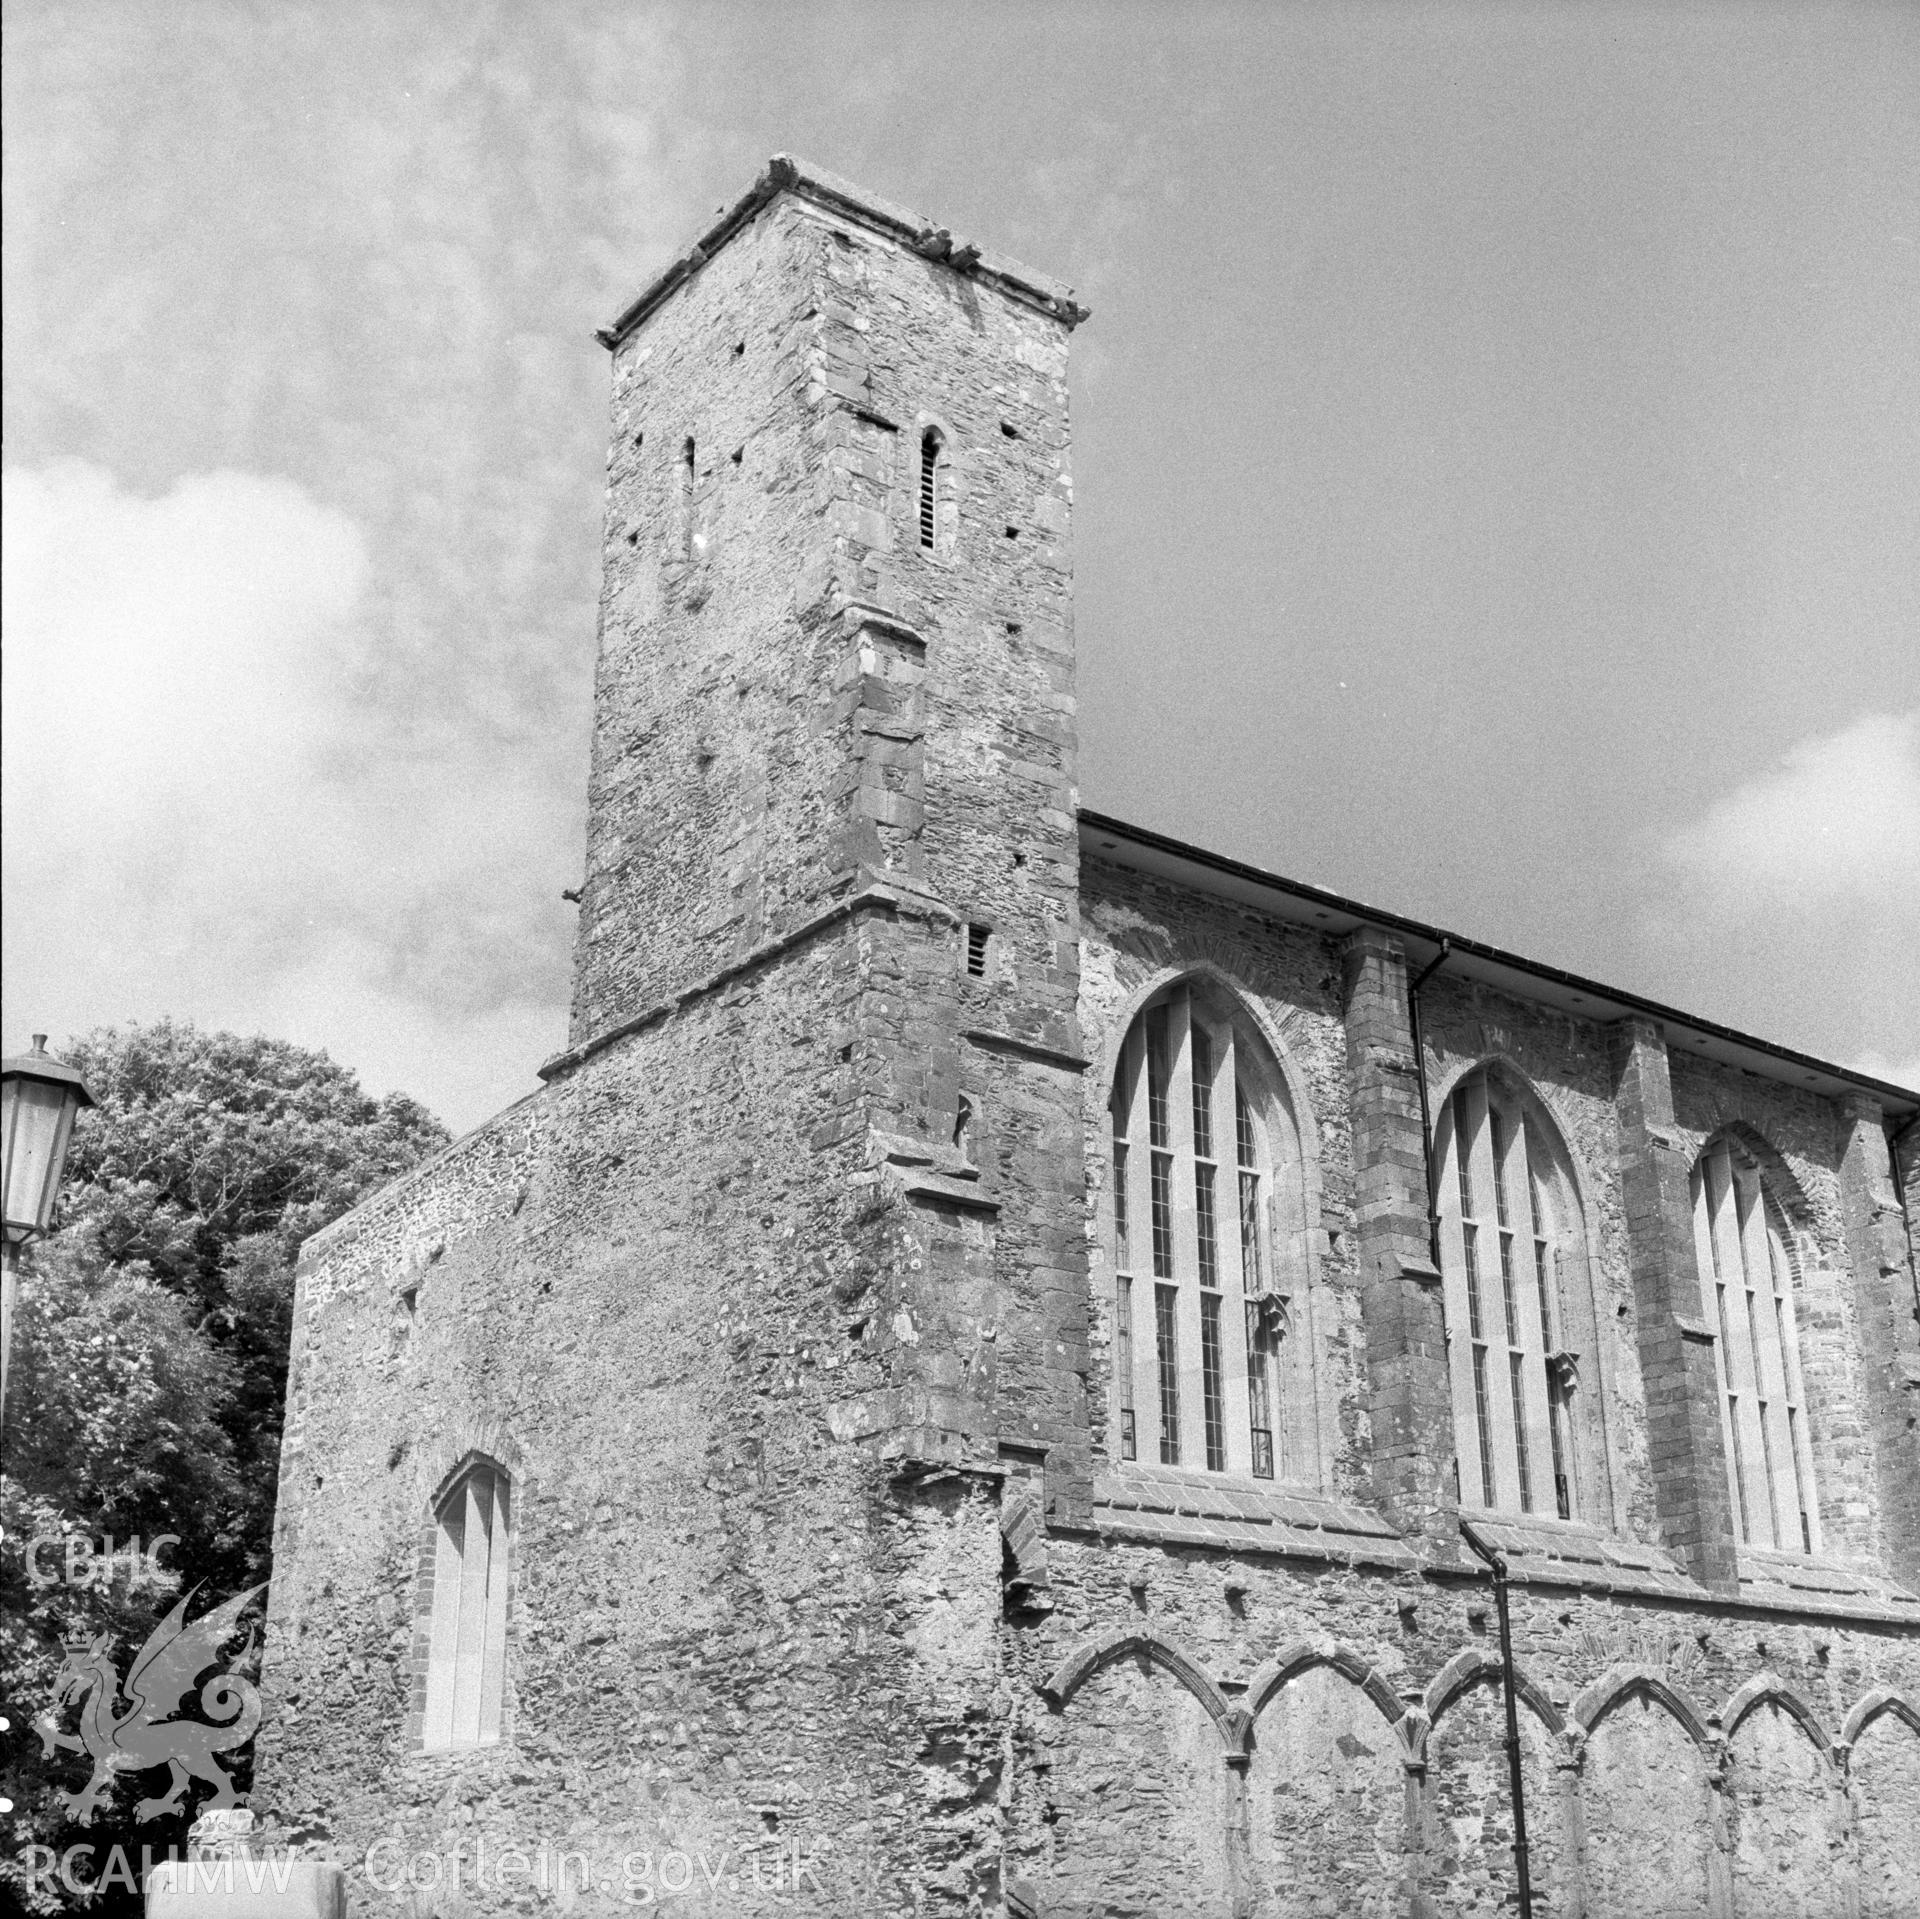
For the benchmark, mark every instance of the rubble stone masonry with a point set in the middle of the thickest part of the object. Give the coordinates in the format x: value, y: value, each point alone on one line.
x: 787, y: 1308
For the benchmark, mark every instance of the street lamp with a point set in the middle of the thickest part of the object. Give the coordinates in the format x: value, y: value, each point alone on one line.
x: 37, y: 1107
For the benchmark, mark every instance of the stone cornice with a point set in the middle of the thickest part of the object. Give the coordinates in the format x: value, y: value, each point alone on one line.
x: 844, y: 200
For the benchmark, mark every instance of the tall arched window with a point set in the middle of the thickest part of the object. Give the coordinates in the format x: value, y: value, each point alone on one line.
x: 1508, y: 1223
x: 1746, y: 1287
x: 1207, y: 1223
x: 467, y: 1644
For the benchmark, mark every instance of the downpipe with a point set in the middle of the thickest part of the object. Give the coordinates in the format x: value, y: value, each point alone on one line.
x: 1497, y: 1561
x: 1420, y: 1078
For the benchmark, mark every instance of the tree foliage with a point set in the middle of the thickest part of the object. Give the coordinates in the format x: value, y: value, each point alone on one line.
x: 114, y: 1412
x: 150, y: 1345
x: 203, y: 1141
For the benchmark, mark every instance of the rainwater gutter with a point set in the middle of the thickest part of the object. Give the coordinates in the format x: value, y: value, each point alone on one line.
x: 1426, y: 1112
x: 1497, y: 1561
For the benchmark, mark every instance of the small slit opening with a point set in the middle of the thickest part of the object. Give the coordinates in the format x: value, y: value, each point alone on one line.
x: 929, y: 486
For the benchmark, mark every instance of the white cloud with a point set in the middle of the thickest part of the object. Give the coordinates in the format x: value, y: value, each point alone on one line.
x: 169, y: 662
x: 211, y: 812
x: 1838, y: 819
x: 1791, y: 906
x: 319, y: 740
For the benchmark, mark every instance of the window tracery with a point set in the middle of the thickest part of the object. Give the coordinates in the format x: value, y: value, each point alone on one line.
x: 1747, y: 1295
x: 1507, y: 1217
x: 1207, y: 1225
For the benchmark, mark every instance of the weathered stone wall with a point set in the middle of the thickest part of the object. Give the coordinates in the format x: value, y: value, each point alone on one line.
x: 633, y: 1292
x: 755, y: 741
x: 798, y: 698
x: 709, y: 760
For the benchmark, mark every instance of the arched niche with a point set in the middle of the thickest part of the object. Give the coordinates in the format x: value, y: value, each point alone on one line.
x: 1786, y: 1807
x: 1329, y: 1792
x: 1466, y: 1800
x: 1646, y: 1797
x: 1129, y: 1802
x: 1883, y: 1765
x: 1474, y: 1667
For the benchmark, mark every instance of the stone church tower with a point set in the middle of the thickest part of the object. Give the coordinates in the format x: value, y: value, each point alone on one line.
x: 960, y: 1393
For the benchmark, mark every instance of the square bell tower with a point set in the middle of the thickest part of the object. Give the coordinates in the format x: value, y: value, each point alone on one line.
x: 836, y: 639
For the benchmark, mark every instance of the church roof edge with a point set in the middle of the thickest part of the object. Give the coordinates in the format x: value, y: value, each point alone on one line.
x: 785, y: 174
x: 1164, y: 857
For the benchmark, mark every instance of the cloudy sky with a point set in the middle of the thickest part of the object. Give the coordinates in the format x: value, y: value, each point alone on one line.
x: 1498, y: 467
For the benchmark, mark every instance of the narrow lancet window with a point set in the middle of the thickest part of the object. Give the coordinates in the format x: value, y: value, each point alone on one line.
x: 1123, y: 1265
x: 1166, y: 1303
x: 467, y: 1647
x: 1213, y: 1391
x: 1261, y: 1343
x: 1546, y: 1282
x: 929, y: 487
x: 1159, y: 1139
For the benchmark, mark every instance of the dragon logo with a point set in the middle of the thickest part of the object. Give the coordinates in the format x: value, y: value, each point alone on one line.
x: 149, y: 1732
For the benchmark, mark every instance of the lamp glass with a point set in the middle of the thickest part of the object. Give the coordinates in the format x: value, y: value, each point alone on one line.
x: 37, y: 1121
